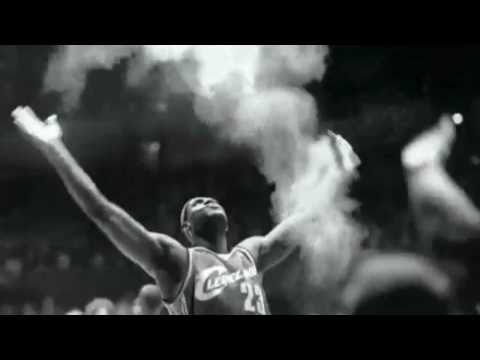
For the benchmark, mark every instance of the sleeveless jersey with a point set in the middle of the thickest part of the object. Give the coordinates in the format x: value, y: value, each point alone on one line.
x: 220, y: 285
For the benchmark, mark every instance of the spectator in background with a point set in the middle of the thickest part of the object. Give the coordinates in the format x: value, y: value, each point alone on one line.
x: 48, y: 306
x: 28, y: 309
x: 442, y: 210
x: 124, y: 307
x: 75, y: 312
x: 398, y: 284
x: 149, y: 302
x: 7, y: 309
x: 100, y: 306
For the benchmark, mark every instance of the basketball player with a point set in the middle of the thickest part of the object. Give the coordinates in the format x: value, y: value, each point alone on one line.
x: 205, y: 279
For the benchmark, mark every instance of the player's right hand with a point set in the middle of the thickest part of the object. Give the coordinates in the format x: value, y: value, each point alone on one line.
x: 38, y: 132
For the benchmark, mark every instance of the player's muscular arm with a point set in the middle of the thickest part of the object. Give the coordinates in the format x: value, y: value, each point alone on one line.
x: 284, y: 240
x: 153, y: 252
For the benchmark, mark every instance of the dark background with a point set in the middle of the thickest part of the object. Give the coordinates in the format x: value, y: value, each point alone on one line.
x: 377, y: 97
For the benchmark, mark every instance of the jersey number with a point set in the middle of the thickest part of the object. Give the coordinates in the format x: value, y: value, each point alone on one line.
x: 254, y: 300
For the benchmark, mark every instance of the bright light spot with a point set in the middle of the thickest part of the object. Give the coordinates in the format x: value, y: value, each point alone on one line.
x: 457, y: 119
x: 154, y: 147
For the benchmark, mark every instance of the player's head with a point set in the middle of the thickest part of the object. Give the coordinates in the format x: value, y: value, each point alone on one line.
x: 149, y: 301
x: 203, y: 219
x: 100, y: 307
x: 398, y: 285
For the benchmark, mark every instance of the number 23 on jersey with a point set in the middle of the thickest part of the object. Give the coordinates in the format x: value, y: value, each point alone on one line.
x: 254, y: 301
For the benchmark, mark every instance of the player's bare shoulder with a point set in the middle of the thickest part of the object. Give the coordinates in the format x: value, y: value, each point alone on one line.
x: 253, y: 246
x: 165, y: 241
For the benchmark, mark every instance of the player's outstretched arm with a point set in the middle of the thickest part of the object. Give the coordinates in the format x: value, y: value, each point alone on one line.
x: 155, y: 253
x: 270, y: 250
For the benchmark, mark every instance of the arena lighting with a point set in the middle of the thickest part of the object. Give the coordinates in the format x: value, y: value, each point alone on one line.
x: 457, y: 119
x: 153, y: 147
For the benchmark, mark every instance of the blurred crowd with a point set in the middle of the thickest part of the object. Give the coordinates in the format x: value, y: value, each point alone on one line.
x: 148, y: 301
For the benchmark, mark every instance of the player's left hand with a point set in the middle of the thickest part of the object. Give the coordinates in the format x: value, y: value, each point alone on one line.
x: 348, y: 160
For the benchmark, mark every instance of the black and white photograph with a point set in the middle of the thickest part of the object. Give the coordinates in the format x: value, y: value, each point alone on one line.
x: 159, y: 180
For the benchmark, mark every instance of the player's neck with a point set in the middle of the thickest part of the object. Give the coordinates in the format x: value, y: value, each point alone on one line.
x: 221, y: 245
x: 212, y: 235
x: 217, y: 243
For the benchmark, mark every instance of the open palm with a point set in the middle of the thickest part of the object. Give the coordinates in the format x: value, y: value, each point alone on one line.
x: 37, y: 131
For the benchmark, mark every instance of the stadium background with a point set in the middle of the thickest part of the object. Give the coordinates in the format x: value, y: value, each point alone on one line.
x: 150, y: 161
